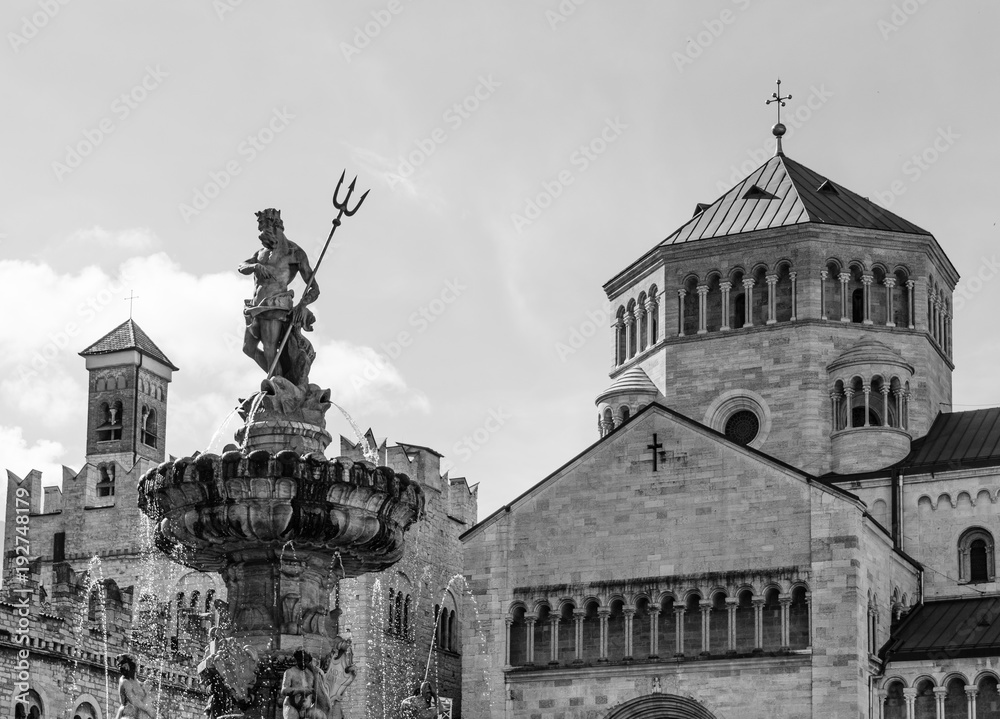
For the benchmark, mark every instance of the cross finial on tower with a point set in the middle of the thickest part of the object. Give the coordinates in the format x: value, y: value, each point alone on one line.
x: 778, y: 130
x: 131, y: 296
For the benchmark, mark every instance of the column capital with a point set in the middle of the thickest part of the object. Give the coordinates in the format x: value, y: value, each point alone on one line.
x: 884, y: 390
x: 682, y: 293
x: 940, y: 691
x: 909, y: 693
x: 759, y: 601
x: 654, y: 609
x: 628, y: 611
x: 867, y: 389
x: 792, y: 276
x: 619, y: 323
x: 732, y: 601
x: 629, y: 317
x: 650, y: 304
x: 836, y: 395
x: 748, y: 282
x: 701, y: 289
x: 848, y: 392
x: 679, y: 611
x: 603, y: 612
x: 889, y: 282
x: 705, y: 605
x: 579, y: 614
x: 785, y: 601
x: 530, y: 618
x: 910, y: 284
x: 971, y: 690
x: 845, y: 277
x: 726, y: 286
x: 824, y: 274
x: 867, y: 279
x: 508, y: 620
x: 771, y: 280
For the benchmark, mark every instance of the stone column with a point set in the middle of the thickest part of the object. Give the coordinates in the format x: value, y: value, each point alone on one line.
x: 823, y: 277
x: 867, y: 389
x: 890, y: 311
x: 702, y: 310
x: 849, y: 402
x: 578, y: 617
x: 885, y: 405
x: 772, y: 299
x: 679, y: 630
x: 866, y: 281
x: 910, y: 695
x: 603, y: 613
x: 898, y: 394
x: 529, y: 620
x: 910, y: 284
x: 809, y: 619
x: 681, y: 294
x: 509, y: 621
x: 844, y: 279
x: 629, y: 617
x: 758, y: 623
x: 661, y: 314
x: 970, y: 697
x: 554, y: 641
x: 939, y: 696
x: 654, y: 632
x: 705, y: 605
x: 947, y: 333
x: 834, y: 396
x: 795, y: 298
x: 748, y: 283
x: 883, y: 696
x: 725, y: 287
x: 785, y: 603
x: 731, y: 604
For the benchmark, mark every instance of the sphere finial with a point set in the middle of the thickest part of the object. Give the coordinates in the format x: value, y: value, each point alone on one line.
x: 778, y: 129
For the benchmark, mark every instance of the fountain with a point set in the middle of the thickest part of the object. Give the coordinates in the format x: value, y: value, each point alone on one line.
x: 280, y: 522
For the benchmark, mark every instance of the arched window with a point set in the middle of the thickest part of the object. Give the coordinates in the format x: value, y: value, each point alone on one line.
x: 643, y: 316
x: 955, y: 702
x: 591, y: 650
x: 85, y: 711
x: 616, y: 631
x: 106, y: 480
x: 988, y: 699
x: 94, y: 609
x: 718, y: 625
x: 518, y: 637
x: 857, y: 305
x: 895, y: 702
x: 738, y: 301
x: 924, y: 704
x: 783, y: 303
x: 641, y: 645
x: 543, y: 634
x: 878, y: 297
x: 654, y: 325
x: 620, y: 337
x: 832, y: 289
x: 770, y: 618
x: 29, y: 706
x: 901, y: 300
x: 630, y: 328
x: 760, y: 300
x: 714, y: 311
x: 690, y: 304
x: 453, y: 640
x: 623, y: 412
x: 666, y: 628
x: 567, y: 634
x: 149, y: 426
x: 856, y: 294
x: 746, y: 629
x: 798, y: 620
x: 692, y: 626
x: 975, y: 556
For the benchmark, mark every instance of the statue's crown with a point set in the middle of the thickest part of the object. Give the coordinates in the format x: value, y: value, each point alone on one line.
x: 270, y: 216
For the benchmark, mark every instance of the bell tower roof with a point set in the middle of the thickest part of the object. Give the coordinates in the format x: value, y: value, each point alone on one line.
x: 128, y: 336
x: 781, y: 193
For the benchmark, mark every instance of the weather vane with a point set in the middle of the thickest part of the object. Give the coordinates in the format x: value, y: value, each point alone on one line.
x: 778, y: 130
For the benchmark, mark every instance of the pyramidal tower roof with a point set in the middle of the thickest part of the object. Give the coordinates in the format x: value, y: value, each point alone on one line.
x: 782, y: 193
x: 128, y: 336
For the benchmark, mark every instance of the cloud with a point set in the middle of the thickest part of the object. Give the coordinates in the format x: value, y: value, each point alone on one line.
x: 19, y: 457
x: 136, y: 239
x: 195, y: 319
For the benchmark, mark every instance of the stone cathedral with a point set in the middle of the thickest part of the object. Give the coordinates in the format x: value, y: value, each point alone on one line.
x: 781, y: 517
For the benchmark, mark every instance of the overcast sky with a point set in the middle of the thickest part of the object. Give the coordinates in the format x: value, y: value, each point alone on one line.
x: 139, y: 138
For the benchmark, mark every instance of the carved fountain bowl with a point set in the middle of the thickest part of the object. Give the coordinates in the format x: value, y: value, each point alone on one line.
x: 211, y: 510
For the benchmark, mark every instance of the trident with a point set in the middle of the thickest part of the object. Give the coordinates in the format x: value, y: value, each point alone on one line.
x: 342, y: 206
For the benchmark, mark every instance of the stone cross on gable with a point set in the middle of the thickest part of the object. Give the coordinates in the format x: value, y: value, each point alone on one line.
x: 656, y: 446
x: 132, y: 296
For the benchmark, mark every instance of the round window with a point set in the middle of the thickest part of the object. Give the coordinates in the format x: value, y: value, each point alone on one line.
x: 742, y: 427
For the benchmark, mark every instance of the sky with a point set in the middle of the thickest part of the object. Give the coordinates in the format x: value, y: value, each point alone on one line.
x: 519, y: 154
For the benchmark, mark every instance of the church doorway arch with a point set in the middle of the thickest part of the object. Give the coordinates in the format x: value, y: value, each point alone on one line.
x: 660, y: 706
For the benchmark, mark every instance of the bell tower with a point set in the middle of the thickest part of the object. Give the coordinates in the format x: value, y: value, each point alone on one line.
x: 127, y: 401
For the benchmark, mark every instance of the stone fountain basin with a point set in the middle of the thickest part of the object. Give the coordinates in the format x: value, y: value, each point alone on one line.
x: 211, y: 511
